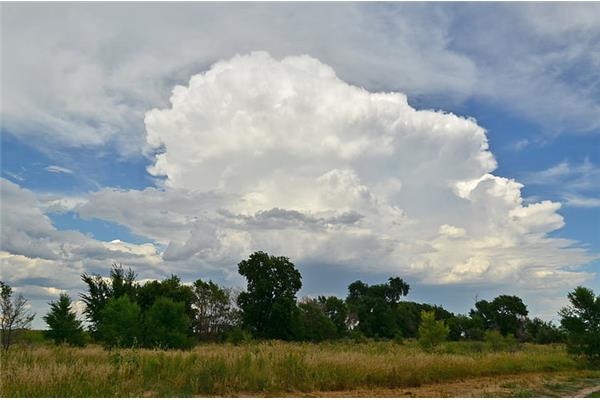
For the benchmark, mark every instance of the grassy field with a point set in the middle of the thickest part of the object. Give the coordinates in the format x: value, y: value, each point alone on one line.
x: 264, y: 369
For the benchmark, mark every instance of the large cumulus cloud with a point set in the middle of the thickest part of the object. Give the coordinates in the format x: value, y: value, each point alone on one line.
x: 283, y: 156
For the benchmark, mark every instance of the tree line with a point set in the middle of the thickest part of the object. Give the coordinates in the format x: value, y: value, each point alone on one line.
x: 122, y: 312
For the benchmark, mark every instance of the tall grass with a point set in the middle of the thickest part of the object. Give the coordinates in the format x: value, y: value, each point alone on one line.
x: 255, y: 369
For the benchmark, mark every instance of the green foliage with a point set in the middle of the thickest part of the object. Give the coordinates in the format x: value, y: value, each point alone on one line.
x: 399, y: 338
x: 64, y: 327
x: 214, y: 310
x: 581, y: 321
x: 541, y: 332
x: 337, y: 311
x: 505, y: 313
x: 31, y: 337
x: 316, y: 324
x: 357, y: 336
x: 237, y: 336
x: 170, y: 288
x: 100, y: 291
x: 375, y: 306
x: 166, y: 325
x: 431, y: 332
x: 269, y: 303
x: 408, y: 316
x: 495, y: 341
x: 119, y: 323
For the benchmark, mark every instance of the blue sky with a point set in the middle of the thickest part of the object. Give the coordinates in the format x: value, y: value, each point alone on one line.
x: 82, y: 137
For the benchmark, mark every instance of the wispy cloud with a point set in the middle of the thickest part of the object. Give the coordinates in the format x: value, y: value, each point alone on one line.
x: 519, y: 144
x: 582, y: 201
x: 14, y: 175
x: 577, y: 184
x: 58, y: 169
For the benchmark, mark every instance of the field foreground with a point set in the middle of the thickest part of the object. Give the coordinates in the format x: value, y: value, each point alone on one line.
x: 292, y: 369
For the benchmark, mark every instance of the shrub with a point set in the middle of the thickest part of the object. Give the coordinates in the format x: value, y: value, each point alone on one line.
x: 399, y: 337
x: 357, y: 336
x: 431, y: 332
x: 237, y: 336
x: 496, y: 342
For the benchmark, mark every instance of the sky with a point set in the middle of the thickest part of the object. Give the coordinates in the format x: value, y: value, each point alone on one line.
x: 456, y: 145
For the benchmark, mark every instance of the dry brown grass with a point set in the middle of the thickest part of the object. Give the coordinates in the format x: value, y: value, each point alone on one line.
x: 257, y: 369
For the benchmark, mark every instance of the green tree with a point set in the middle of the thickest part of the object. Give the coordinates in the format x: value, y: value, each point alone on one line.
x: 119, y: 323
x: 505, y: 313
x: 121, y: 282
x: 408, y: 316
x: 337, y: 311
x: 171, y: 288
x: 64, y: 327
x: 541, y: 332
x: 374, y: 307
x: 166, y: 325
x: 214, y: 310
x: 316, y: 324
x: 14, y: 315
x: 431, y: 332
x: 269, y: 303
x: 581, y: 321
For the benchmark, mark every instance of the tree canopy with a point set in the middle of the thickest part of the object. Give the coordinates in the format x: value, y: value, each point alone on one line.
x: 269, y: 303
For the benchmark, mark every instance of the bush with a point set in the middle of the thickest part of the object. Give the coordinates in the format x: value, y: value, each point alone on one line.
x: 496, y: 342
x: 399, y: 337
x: 431, y: 332
x: 357, y: 336
x: 237, y: 336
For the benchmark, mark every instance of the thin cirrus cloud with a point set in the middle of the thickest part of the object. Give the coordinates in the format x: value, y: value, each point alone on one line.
x: 121, y: 61
x: 56, y: 169
x: 578, y: 183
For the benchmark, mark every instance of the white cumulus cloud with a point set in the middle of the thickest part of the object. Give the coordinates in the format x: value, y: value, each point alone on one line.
x: 283, y: 156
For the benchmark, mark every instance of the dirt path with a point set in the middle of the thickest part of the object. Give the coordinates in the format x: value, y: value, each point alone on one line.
x: 586, y: 392
x: 550, y: 384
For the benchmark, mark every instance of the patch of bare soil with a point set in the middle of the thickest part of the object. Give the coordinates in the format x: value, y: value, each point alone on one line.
x: 551, y: 384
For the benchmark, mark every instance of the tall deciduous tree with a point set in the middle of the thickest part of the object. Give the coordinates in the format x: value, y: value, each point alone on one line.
x: 100, y: 291
x: 64, y: 327
x: 214, y: 310
x: 375, y: 306
x: 505, y: 313
x: 581, y: 321
x: 14, y: 315
x: 269, y: 303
